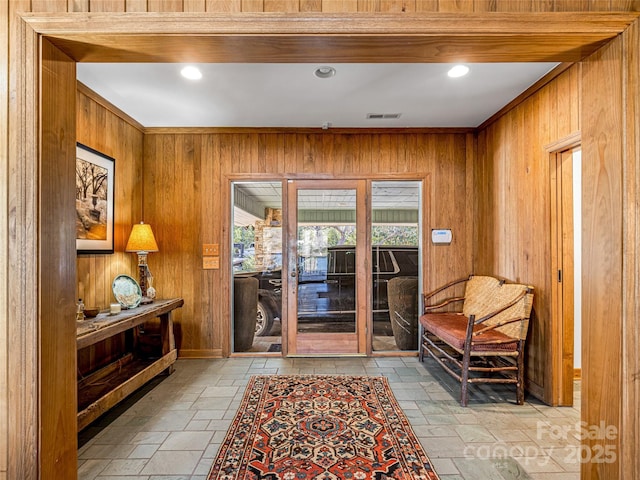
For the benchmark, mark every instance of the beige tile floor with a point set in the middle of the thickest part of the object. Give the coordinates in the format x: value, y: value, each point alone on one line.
x: 171, y: 429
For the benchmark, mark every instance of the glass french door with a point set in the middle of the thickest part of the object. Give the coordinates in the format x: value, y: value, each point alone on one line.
x: 327, y: 282
x: 336, y: 264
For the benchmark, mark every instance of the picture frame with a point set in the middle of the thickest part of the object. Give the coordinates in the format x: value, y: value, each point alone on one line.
x: 95, y: 201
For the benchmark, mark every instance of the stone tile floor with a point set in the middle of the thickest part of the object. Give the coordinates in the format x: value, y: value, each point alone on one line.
x: 172, y: 428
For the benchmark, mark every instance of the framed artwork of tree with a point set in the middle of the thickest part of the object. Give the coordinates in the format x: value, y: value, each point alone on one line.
x: 95, y: 176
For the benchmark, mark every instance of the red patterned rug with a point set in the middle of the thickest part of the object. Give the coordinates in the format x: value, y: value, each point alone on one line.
x: 295, y: 427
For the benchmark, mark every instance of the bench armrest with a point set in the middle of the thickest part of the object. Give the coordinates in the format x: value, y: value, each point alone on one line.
x: 429, y: 308
x: 426, y: 297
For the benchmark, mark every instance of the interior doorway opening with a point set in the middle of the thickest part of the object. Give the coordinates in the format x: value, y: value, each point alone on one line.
x: 566, y: 246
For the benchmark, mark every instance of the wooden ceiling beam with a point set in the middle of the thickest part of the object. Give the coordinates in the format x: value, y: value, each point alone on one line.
x: 363, y: 38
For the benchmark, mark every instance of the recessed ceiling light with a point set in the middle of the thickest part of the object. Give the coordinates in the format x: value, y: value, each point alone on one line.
x: 191, y: 72
x: 325, y: 72
x: 458, y: 71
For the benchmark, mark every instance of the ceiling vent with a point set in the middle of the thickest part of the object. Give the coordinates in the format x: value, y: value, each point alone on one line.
x: 380, y: 116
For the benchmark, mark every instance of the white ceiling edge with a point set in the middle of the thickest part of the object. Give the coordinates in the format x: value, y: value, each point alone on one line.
x: 289, y: 95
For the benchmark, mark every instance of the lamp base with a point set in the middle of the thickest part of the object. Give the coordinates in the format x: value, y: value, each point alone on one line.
x: 146, y: 279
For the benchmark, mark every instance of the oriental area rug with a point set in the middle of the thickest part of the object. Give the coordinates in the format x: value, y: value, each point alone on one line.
x: 300, y: 427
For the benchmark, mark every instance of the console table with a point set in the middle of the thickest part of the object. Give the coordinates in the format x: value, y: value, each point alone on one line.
x: 107, y: 386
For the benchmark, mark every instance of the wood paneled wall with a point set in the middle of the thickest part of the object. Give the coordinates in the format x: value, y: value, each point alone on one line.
x: 513, y: 203
x: 4, y: 234
x: 105, y: 129
x: 187, y: 179
x: 20, y: 230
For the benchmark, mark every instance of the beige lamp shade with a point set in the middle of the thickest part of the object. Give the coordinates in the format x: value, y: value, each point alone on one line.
x: 141, y: 239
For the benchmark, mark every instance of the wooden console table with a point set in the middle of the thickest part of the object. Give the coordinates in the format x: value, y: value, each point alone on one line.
x: 107, y: 386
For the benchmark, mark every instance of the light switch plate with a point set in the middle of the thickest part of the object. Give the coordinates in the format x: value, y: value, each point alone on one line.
x: 211, y: 249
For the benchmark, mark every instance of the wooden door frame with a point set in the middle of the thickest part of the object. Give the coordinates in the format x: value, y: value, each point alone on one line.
x: 227, y: 274
x: 562, y: 324
x: 496, y: 37
x: 363, y: 251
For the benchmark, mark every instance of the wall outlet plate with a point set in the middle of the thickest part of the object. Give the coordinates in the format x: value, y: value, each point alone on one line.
x: 211, y: 263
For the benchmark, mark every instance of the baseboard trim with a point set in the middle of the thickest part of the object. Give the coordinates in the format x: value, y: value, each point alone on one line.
x: 216, y: 353
x: 535, y: 390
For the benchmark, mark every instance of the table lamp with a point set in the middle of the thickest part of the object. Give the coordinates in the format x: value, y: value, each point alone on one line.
x: 142, y: 242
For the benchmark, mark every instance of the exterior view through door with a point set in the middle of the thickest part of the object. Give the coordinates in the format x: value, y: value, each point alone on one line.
x: 333, y: 269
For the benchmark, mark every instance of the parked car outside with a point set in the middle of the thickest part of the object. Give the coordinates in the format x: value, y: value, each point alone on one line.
x: 330, y: 295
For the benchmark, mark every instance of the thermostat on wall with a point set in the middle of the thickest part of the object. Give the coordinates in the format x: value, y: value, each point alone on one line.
x: 441, y: 237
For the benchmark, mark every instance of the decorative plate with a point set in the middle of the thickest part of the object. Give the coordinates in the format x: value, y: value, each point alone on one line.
x: 127, y: 291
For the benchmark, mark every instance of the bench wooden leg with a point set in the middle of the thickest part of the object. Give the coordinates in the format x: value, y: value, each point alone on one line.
x: 520, y: 379
x: 464, y: 381
x: 466, y: 363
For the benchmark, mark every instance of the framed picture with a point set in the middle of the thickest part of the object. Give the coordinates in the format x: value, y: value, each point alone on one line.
x: 95, y: 176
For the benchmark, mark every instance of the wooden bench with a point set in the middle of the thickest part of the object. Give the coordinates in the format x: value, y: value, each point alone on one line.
x: 482, y: 342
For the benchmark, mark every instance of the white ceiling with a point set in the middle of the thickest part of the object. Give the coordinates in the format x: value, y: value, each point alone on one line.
x: 289, y: 95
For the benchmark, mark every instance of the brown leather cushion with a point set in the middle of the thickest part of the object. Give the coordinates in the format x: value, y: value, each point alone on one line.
x: 452, y: 328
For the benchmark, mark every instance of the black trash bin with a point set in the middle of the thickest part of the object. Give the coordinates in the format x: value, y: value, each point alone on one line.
x: 403, y: 311
x: 245, y: 312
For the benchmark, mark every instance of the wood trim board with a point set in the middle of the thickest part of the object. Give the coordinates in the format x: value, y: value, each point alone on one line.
x: 275, y: 37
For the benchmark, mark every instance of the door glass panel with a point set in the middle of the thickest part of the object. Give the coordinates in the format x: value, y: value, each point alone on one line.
x: 326, y: 264
x: 257, y: 266
x: 395, y: 234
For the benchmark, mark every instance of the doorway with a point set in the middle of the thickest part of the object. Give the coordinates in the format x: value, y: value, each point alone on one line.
x: 336, y: 264
x: 566, y: 240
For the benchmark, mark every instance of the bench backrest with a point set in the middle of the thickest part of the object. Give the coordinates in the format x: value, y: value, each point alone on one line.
x: 484, y: 295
